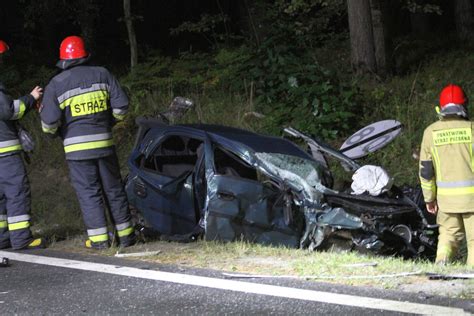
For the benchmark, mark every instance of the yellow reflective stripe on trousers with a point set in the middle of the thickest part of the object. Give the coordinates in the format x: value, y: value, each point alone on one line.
x: 3, y: 224
x: 125, y: 232
x: 456, y: 191
x: 19, y: 225
x: 99, y: 238
x: 89, y: 145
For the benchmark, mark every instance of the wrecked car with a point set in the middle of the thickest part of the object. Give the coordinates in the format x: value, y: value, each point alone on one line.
x: 231, y: 184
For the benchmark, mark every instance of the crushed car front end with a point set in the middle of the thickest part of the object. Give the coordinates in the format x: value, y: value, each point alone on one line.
x: 232, y: 184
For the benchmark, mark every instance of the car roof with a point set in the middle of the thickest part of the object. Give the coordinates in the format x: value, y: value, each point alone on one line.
x: 254, y: 141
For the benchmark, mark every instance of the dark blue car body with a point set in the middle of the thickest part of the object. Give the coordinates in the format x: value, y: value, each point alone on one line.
x: 232, y: 184
x: 182, y: 176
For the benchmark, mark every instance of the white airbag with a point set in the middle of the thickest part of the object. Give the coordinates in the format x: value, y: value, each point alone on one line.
x: 372, y: 179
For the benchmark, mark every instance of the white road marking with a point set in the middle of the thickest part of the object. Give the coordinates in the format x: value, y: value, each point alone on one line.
x: 239, y: 286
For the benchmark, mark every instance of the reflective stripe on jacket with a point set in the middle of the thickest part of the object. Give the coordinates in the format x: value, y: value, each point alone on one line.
x: 11, y: 111
x: 447, y: 164
x: 82, y: 103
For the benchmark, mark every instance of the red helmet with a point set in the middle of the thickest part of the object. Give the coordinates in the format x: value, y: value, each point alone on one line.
x: 3, y: 47
x: 452, y: 95
x: 72, y: 47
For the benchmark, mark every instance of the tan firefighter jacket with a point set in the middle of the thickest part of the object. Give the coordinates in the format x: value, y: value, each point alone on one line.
x: 447, y: 164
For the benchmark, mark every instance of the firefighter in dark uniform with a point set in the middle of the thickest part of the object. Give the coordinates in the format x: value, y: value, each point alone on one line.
x: 15, y: 200
x: 82, y: 103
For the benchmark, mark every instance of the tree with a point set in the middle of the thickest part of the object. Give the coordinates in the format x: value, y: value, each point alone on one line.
x: 463, y: 19
x: 370, y: 42
x: 381, y: 37
x: 361, y: 36
x: 131, y: 34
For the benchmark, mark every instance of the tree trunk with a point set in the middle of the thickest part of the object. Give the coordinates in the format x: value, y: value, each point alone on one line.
x: 362, y: 38
x: 463, y: 19
x: 131, y: 34
x: 381, y: 37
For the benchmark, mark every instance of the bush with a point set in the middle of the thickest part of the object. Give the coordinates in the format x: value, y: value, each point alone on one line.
x: 290, y: 89
x: 295, y: 90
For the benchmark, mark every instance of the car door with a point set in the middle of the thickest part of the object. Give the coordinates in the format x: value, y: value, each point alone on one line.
x: 163, y: 184
x: 239, y: 206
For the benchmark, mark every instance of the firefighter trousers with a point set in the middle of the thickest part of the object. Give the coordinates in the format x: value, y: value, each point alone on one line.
x: 453, y: 228
x: 15, y: 202
x: 98, y: 185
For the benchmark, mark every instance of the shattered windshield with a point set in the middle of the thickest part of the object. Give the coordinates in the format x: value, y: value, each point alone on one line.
x: 303, y: 174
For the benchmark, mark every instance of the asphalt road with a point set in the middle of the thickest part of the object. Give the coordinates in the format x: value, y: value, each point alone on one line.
x: 70, y: 289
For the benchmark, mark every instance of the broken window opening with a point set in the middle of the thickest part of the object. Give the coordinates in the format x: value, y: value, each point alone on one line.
x: 229, y: 164
x: 174, y: 156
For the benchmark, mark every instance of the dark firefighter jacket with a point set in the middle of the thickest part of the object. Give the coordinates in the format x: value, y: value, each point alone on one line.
x: 447, y: 164
x: 11, y: 111
x: 82, y: 103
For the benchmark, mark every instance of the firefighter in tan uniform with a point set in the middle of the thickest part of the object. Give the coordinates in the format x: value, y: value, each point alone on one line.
x: 447, y: 174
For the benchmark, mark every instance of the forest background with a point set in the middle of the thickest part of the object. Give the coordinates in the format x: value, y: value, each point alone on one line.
x: 324, y: 67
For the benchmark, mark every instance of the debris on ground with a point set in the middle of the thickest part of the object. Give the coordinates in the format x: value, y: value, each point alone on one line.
x: 325, y: 277
x: 438, y: 276
x: 5, y: 263
x: 138, y: 254
x: 361, y: 264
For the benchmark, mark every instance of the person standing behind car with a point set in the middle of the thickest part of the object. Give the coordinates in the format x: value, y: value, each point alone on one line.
x: 82, y: 103
x: 15, y: 198
x: 447, y: 174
